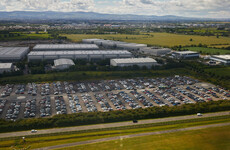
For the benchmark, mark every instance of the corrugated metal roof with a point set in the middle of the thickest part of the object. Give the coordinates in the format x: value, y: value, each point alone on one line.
x: 65, y: 46
x: 101, y: 52
x: 135, y: 60
x: 14, y: 51
x: 225, y: 57
x: 5, y: 65
x: 185, y: 52
x: 59, y: 62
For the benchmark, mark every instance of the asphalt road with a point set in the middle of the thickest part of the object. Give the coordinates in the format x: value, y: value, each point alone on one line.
x: 109, y: 125
x: 132, y: 135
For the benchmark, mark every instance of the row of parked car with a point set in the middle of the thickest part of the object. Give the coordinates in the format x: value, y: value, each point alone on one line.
x: 74, y: 104
x: 45, y: 106
x: 89, y: 104
x: 57, y: 87
x: 103, y: 102
x: 7, y: 90
x: 32, y: 89
x: 45, y: 89
x: 130, y: 101
x: 141, y: 99
x: 118, y: 104
x: 30, y: 108
x: 60, y: 105
x: 69, y: 88
x: 154, y: 98
x: 2, y: 105
x: 20, y: 89
x: 13, y: 110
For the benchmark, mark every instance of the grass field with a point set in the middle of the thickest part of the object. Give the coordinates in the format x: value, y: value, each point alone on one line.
x: 90, y: 75
x: 220, y: 71
x: 211, y: 51
x: 26, y: 36
x: 205, y: 139
x: 63, y: 138
x: 160, y: 39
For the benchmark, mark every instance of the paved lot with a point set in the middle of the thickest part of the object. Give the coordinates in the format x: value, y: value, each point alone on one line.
x: 109, y: 125
x: 132, y: 136
x: 145, y: 92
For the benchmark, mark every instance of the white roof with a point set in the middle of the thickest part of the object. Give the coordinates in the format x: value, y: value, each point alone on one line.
x: 100, y: 52
x: 5, y: 65
x: 13, y: 51
x: 58, y: 62
x: 225, y: 57
x: 186, y: 52
x: 66, y: 46
x: 155, y: 49
x: 135, y: 60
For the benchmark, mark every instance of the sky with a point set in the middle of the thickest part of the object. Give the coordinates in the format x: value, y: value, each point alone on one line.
x: 186, y: 8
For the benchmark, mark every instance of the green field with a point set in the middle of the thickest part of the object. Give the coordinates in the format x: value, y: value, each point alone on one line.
x: 219, y: 71
x: 90, y: 75
x: 38, y: 141
x: 25, y: 36
x: 209, y: 51
x: 205, y: 139
x: 160, y: 39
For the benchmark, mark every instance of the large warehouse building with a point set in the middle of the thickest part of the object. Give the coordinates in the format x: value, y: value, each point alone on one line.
x: 86, y: 55
x: 148, y: 62
x: 221, y: 58
x: 6, y: 67
x: 185, y: 54
x: 115, y: 44
x: 11, y: 54
x: 65, y: 47
x: 155, y: 51
x: 61, y: 64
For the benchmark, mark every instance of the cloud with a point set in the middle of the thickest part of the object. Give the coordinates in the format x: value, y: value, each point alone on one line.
x: 47, y: 5
x: 189, y: 8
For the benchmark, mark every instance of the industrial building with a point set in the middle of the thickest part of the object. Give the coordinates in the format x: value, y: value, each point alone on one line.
x: 6, y: 67
x: 11, y: 54
x: 115, y: 44
x: 185, y: 54
x: 65, y: 47
x: 86, y: 55
x: 148, y: 62
x: 221, y: 58
x: 155, y: 51
x: 61, y: 64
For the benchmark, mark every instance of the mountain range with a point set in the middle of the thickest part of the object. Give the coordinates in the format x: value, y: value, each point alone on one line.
x: 51, y: 15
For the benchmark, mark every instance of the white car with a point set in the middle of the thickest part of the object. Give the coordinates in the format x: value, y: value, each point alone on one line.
x: 199, y: 114
x: 33, y: 131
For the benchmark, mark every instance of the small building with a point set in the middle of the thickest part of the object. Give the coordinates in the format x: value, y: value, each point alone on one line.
x: 148, y: 62
x: 185, y: 54
x: 155, y: 51
x: 6, y: 67
x: 12, y: 54
x: 61, y: 64
x: 221, y: 58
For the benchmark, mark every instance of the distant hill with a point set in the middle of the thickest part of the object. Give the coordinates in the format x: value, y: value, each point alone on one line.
x: 29, y: 15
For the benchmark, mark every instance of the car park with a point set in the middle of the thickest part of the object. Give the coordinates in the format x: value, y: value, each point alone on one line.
x: 2, y: 105
x: 103, y: 102
x: 118, y: 104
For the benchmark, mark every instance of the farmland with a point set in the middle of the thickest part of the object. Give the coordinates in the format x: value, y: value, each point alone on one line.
x: 24, y: 36
x: 212, y: 51
x: 159, y: 39
x: 211, y: 138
